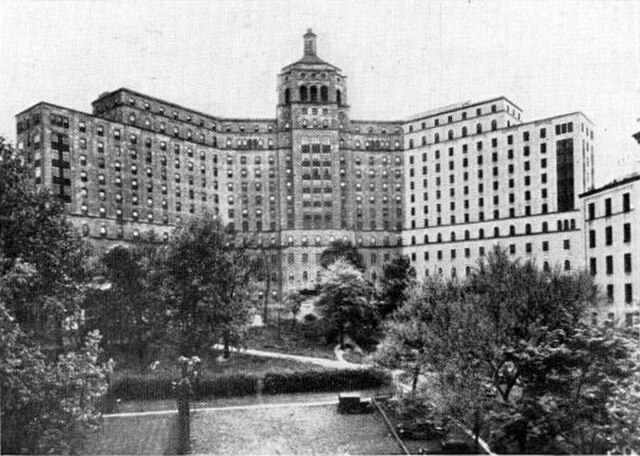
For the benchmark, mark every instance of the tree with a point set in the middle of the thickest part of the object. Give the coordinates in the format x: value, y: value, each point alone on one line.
x: 345, y: 300
x: 519, y: 333
x: 35, y: 234
x: 344, y: 250
x: 127, y: 308
x: 293, y: 302
x: 266, y: 270
x: 208, y: 281
x: 397, y: 277
x: 522, y: 303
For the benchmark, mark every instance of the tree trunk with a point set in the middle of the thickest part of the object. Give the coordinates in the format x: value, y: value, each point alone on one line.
x: 226, y: 354
x: 416, y: 374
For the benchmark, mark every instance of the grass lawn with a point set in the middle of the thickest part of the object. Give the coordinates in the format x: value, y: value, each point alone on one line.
x: 290, y: 430
x: 134, y: 435
x: 127, y: 365
x: 301, y: 340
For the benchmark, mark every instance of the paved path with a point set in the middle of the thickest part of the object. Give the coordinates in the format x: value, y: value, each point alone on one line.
x: 231, y: 407
x: 330, y: 363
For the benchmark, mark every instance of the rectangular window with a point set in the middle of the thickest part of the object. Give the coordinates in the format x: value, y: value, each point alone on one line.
x: 610, y: 293
x: 627, y: 263
x: 626, y: 228
x: 592, y: 211
x: 626, y: 202
x: 609, y: 264
x: 607, y: 207
x: 628, y: 293
x: 608, y: 235
x: 593, y: 266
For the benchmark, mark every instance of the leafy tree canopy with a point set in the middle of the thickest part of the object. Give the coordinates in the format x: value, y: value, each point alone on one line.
x: 344, y: 250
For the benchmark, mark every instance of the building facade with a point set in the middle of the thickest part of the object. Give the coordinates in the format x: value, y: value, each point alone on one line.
x: 442, y: 187
x: 612, y: 246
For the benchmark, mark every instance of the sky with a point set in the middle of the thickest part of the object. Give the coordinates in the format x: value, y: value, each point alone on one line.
x: 400, y: 57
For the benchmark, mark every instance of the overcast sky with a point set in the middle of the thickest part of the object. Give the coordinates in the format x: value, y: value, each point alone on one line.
x: 401, y: 57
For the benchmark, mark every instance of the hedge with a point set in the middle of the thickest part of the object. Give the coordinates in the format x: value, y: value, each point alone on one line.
x: 145, y: 387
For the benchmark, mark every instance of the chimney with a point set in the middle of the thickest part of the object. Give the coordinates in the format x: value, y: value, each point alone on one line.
x: 310, y: 43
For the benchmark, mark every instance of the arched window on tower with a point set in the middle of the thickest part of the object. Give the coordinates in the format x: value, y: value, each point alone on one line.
x: 287, y: 96
x: 303, y: 93
x: 464, y: 132
x: 324, y: 94
x: 338, y: 97
x: 479, y: 128
x: 313, y: 93
x: 494, y: 125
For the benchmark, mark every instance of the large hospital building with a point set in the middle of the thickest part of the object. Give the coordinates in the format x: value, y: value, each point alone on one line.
x: 442, y: 187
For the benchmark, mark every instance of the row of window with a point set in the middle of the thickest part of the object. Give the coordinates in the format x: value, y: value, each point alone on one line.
x: 608, y: 235
x: 626, y: 206
x: 608, y: 261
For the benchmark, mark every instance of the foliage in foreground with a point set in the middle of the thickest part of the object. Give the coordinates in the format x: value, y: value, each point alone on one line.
x: 516, y: 361
x: 51, y: 379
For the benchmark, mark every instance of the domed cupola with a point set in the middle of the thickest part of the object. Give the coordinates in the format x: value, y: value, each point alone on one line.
x: 311, y: 79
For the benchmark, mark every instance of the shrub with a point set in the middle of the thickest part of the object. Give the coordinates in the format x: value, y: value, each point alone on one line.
x: 333, y: 380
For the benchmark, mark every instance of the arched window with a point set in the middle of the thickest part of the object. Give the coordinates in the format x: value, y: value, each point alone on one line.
x: 464, y: 132
x: 303, y: 93
x: 324, y: 94
x: 512, y: 230
x: 494, y: 125
x: 467, y: 235
x: 567, y: 265
x: 411, y: 144
x: 545, y: 266
x: 481, y: 233
x: 496, y: 232
x: 527, y: 228
x: 545, y: 227
x: 426, y: 238
x: 479, y: 128
x: 439, y: 237
x: 313, y: 93
x: 338, y: 97
x: 85, y: 230
x: 287, y: 96
x: 436, y: 138
x: 559, y: 224
x: 453, y: 236
x: 450, y: 134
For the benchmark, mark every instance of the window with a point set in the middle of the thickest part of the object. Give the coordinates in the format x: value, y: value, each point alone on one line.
x: 593, y: 266
x: 592, y: 211
x: 609, y: 264
x: 627, y: 263
x: 545, y: 246
x: 627, y: 232
x: 626, y: 202
x: 607, y: 207
x: 592, y: 239
x: 628, y: 293
x: 610, y: 293
x: 608, y: 234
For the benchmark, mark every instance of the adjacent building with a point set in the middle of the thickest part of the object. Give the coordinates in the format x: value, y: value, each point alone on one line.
x: 442, y: 187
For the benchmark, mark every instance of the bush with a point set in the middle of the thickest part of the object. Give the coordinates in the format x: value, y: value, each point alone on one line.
x: 318, y: 381
x: 133, y: 388
x: 242, y: 384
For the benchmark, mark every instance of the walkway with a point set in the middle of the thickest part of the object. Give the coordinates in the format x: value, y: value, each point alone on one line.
x: 330, y: 363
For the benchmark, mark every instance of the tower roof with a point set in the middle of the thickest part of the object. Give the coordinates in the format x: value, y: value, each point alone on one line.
x: 310, y: 58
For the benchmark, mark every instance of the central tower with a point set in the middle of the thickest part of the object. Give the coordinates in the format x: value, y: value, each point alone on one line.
x: 311, y: 113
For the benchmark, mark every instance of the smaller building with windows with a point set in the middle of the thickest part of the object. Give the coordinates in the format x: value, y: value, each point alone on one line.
x: 612, y: 245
